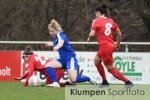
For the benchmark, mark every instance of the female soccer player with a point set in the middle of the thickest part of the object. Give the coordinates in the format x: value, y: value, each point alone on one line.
x: 67, y: 56
x: 37, y: 63
x: 104, y: 28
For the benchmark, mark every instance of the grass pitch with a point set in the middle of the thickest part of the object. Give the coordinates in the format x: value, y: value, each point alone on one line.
x: 16, y: 91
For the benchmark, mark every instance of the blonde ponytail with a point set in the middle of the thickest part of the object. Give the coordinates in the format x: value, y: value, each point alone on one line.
x: 55, y: 25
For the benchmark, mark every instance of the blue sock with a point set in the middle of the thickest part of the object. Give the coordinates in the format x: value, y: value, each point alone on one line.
x: 51, y: 74
x: 82, y: 78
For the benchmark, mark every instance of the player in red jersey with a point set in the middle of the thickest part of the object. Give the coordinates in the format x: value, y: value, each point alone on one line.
x: 104, y: 28
x: 37, y: 63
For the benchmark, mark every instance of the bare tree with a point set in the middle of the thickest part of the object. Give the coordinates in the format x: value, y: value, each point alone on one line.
x: 143, y: 8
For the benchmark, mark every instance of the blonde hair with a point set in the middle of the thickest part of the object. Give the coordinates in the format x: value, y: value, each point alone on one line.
x: 55, y: 25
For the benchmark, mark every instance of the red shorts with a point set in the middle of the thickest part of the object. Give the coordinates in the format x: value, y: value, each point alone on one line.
x: 105, y: 52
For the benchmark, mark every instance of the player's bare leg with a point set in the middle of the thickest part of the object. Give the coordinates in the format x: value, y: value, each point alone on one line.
x: 51, y: 73
x: 72, y: 74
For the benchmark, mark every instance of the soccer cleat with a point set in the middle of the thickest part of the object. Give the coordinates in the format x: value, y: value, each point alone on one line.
x: 68, y: 83
x: 54, y: 84
x: 93, y: 82
x: 128, y: 85
x: 104, y: 84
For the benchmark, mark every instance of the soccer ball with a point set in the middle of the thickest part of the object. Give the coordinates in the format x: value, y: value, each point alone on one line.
x: 34, y: 81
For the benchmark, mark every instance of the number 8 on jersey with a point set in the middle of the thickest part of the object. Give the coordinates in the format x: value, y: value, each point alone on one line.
x: 108, y: 29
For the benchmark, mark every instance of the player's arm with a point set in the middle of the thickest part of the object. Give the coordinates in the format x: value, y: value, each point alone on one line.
x: 119, y: 37
x: 22, y: 77
x: 93, y: 29
x: 49, y: 44
x: 60, y: 42
x: 17, y: 78
x: 59, y: 45
x: 30, y: 72
x: 91, y: 34
x: 25, y: 75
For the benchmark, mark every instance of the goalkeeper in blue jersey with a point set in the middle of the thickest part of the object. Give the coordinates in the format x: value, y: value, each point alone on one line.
x: 67, y: 56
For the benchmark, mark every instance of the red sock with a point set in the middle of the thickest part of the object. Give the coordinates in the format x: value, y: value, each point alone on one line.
x: 48, y: 81
x: 101, y: 71
x: 117, y: 74
x: 59, y: 74
x: 62, y: 84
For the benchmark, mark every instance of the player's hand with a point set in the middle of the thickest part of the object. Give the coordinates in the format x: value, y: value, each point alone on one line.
x: 88, y: 40
x: 117, y: 47
x: 17, y: 78
x: 48, y: 44
x: 55, y: 49
x: 25, y: 84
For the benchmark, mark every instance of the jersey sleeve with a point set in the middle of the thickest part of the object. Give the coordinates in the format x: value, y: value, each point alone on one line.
x: 31, y: 66
x: 61, y: 36
x: 30, y: 70
x: 95, y: 25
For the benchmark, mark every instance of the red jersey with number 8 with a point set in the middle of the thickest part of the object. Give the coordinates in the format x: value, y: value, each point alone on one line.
x: 104, y: 28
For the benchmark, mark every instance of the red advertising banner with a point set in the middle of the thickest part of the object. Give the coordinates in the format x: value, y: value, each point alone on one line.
x: 10, y: 65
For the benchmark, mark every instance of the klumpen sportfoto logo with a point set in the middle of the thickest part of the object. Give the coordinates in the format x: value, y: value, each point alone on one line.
x: 126, y: 65
x: 113, y: 91
x: 106, y: 92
